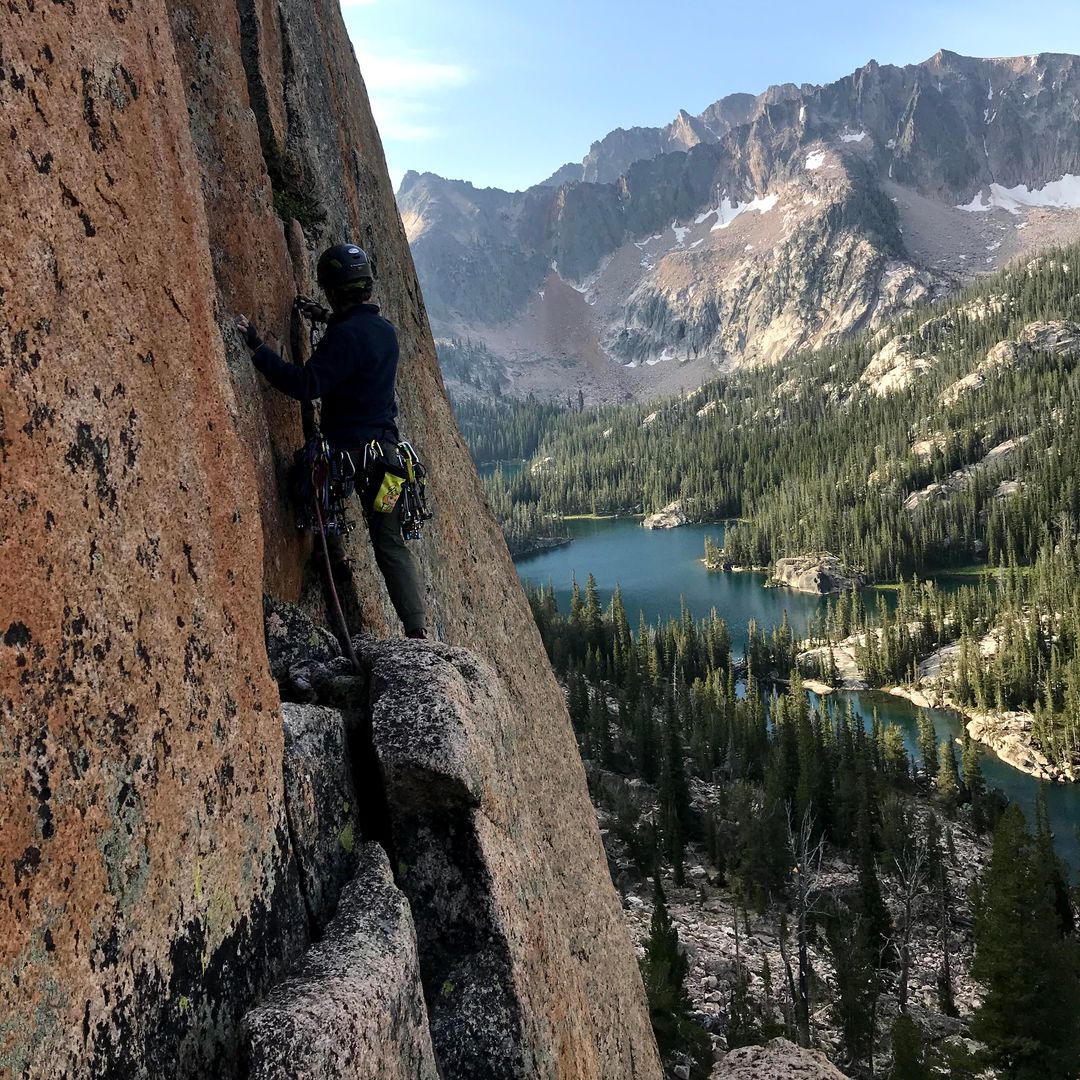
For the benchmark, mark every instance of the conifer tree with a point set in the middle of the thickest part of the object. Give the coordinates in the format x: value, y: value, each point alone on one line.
x: 1031, y: 971
x: 948, y: 778
x: 1049, y: 868
x: 974, y: 782
x: 664, y: 969
x: 928, y: 746
x: 909, y: 1051
x: 674, y: 793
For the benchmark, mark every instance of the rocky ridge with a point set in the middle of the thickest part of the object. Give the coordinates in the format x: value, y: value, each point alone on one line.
x: 168, y: 166
x: 762, y: 226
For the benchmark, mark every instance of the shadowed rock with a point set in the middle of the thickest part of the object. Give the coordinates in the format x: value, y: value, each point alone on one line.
x: 354, y: 1008
x: 449, y: 740
x: 321, y: 805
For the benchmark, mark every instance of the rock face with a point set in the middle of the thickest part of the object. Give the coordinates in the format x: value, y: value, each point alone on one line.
x: 324, y: 819
x: 762, y: 226
x: 165, y: 166
x: 777, y: 1059
x: 146, y: 875
x: 356, y: 994
x: 493, y: 933
x: 820, y: 574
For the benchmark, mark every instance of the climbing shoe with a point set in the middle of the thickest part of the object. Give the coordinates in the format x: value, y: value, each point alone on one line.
x: 419, y: 635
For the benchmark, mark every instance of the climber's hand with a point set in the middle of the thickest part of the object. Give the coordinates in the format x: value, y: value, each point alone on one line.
x: 251, y: 335
x: 311, y: 310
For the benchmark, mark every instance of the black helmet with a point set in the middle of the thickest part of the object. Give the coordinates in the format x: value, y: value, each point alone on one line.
x: 343, y: 265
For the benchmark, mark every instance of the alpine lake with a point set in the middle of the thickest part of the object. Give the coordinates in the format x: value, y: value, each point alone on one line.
x: 661, y: 570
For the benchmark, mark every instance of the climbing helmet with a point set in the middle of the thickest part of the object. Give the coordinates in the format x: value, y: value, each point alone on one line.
x: 343, y: 266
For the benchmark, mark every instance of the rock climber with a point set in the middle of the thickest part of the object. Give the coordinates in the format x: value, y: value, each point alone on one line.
x: 353, y: 371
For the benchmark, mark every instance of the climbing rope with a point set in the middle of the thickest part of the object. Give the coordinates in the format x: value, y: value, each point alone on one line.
x: 333, y: 589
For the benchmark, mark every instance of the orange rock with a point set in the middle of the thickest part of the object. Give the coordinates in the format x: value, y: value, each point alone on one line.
x: 147, y: 885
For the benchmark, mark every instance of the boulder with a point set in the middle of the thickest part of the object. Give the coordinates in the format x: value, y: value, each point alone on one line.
x: 294, y: 640
x: 820, y: 574
x: 510, y: 944
x: 671, y: 517
x: 777, y: 1060
x: 321, y: 804
x: 354, y: 1007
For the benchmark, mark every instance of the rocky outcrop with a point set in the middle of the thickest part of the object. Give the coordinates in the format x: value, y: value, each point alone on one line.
x: 671, y: 517
x: 1009, y: 734
x: 1052, y: 338
x: 1001, y: 457
x: 895, y: 367
x: 820, y: 574
x: 165, y: 166
x: 497, y: 931
x: 778, y: 1058
x: 354, y: 1009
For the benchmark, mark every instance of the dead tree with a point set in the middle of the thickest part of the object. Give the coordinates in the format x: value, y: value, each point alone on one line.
x: 911, y: 868
x: 806, y: 854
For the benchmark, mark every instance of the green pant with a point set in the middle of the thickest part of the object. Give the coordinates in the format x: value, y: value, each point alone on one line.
x: 399, y: 567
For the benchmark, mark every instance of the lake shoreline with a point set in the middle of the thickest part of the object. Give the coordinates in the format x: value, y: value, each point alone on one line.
x: 660, y: 572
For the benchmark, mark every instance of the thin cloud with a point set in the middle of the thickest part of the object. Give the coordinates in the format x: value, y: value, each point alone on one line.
x: 406, y: 91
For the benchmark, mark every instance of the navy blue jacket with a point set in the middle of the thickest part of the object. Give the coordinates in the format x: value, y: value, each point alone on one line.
x: 352, y: 370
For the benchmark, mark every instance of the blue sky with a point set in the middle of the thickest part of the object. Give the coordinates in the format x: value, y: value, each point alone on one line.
x: 502, y: 92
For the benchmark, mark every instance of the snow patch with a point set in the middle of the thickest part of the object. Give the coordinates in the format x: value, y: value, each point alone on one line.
x: 727, y: 212
x: 858, y: 136
x: 680, y: 233
x: 815, y: 160
x: 1063, y: 194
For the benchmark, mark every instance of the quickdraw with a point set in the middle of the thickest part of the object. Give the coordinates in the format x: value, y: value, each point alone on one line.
x: 325, y: 480
x: 389, y: 482
x: 414, y: 512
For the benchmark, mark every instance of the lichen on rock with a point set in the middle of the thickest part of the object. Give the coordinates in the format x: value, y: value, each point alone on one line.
x: 144, y: 486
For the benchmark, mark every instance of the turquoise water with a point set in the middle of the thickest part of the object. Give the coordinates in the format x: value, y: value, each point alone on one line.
x: 510, y: 468
x: 659, y: 569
